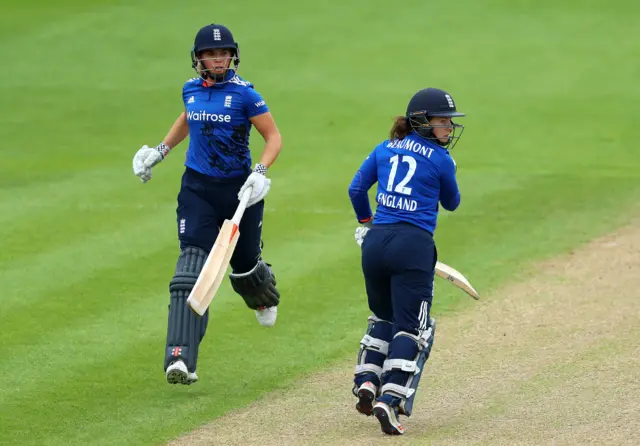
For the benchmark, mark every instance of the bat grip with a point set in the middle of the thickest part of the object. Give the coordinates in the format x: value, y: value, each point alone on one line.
x: 242, y: 206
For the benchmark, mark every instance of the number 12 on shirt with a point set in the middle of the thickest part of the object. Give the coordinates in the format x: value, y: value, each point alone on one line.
x: 401, y: 187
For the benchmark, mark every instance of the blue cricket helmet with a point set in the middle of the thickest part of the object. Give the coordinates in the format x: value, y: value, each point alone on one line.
x: 210, y: 37
x: 430, y: 103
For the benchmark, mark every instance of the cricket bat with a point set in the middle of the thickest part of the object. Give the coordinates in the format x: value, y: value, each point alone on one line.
x: 455, y: 277
x: 215, y: 267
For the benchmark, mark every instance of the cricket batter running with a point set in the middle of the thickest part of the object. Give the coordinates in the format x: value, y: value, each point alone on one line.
x: 414, y: 172
x: 220, y: 109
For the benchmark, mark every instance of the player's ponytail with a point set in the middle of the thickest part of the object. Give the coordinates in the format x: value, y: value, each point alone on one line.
x: 400, y: 128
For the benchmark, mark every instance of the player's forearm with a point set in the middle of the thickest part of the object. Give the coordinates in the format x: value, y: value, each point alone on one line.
x: 178, y: 132
x: 361, y: 206
x: 449, y: 193
x: 451, y: 203
x: 360, y: 199
x: 272, y: 147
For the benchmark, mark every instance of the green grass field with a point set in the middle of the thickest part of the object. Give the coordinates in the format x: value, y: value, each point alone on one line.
x: 548, y: 160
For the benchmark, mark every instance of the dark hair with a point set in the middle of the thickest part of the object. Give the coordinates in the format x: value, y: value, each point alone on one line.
x: 400, y: 128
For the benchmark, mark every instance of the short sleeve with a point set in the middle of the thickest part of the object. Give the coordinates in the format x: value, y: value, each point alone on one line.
x: 254, y: 103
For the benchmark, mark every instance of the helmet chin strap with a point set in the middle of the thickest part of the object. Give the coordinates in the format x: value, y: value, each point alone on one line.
x: 215, y: 77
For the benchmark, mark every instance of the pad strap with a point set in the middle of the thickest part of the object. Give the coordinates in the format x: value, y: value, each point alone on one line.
x: 398, y: 390
x: 401, y: 365
x: 421, y: 340
x: 371, y: 343
x: 368, y: 368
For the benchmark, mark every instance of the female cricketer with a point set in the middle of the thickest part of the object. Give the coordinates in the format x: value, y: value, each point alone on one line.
x: 220, y: 110
x: 415, y: 173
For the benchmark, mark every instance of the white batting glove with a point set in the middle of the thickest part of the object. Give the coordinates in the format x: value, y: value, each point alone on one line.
x: 361, y: 232
x: 260, y: 184
x: 146, y: 158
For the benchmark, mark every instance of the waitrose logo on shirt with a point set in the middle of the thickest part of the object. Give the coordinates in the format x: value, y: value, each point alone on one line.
x: 202, y: 115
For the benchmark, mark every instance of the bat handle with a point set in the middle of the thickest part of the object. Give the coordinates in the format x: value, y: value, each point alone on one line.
x: 242, y: 206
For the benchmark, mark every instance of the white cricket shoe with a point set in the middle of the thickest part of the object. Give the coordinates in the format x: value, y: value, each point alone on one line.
x: 267, y: 316
x: 191, y: 378
x: 177, y: 373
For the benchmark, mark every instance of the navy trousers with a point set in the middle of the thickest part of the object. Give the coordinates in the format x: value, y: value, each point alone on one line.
x: 203, y: 205
x: 398, y: 262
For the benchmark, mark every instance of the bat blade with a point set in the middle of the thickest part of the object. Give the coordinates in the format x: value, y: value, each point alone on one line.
x: 215, y: 268
x: 454, y: 276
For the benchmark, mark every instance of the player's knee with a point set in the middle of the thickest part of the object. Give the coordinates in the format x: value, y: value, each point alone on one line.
x: 414, y: 321
x: 193, y: 241
x: 246, y: 263
x: 190, y: 263
x: 257, y: 287
x: 247, y: 254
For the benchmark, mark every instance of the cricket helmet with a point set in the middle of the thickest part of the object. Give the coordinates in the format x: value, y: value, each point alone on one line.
x: 210, y: 37
x: 430, y: 103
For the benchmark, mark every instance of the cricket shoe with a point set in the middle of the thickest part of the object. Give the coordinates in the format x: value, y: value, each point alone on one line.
x: 177, y: 373
x: 267, y: 316
x: 366, y: 394
x: 388, y: 418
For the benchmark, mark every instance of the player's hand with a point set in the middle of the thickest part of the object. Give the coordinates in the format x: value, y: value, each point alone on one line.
x: 146, y: 158
x: 259, y: 183
x: 361, y: 232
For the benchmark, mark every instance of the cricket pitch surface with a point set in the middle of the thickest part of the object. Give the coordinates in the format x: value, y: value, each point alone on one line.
x: 552, y: 360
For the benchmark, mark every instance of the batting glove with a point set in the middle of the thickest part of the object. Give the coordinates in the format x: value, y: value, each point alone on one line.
x: 361, y: 232
x: 259, y: 183
x: 146, y: 158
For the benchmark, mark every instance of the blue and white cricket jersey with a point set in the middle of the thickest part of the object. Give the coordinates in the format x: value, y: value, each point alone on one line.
x: 219, y: 125
x: 413, y: 175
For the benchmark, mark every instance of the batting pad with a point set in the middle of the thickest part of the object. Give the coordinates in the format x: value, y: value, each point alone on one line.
x: 185, y: 328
